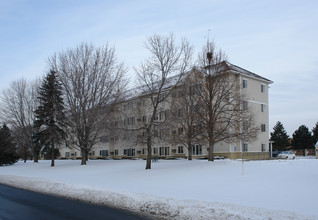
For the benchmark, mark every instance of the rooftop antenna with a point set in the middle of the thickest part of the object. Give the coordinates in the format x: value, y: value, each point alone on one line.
x: 209, y: 54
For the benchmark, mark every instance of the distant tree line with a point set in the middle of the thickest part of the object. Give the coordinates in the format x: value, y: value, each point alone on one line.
x: 302, y: 138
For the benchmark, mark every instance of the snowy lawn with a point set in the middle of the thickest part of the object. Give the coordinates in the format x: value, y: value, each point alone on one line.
x: 181, y: 189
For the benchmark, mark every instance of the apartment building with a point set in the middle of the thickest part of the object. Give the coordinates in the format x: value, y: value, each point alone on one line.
x: 125, y: 138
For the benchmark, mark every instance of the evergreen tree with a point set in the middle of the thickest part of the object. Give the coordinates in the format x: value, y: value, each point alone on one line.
x: 8, y: 154
x: 280, y: 137
x: 50, y: 117
x: 302, y: 138
x: 315, y: 133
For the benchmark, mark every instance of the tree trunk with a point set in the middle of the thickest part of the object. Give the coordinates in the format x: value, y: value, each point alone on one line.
x: 36, y: 156
x: 83, y: 157
x: 25, y: 157
x: 211, y: 151
x: 52, y: 155
x: 149, y: 153
x: 86, y: 155
x: 189, y: 150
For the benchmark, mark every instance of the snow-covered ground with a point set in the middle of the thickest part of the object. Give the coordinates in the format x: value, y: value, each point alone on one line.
x: 181, y: 189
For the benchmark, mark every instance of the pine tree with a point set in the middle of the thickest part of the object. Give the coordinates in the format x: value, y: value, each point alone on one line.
x: 8, y: 154
x: 50, y: 116
x: 280, y: 137
x: 315, y: 133
x: 302, y: 138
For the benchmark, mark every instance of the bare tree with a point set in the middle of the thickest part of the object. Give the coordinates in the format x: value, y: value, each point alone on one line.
x: 167, y: 59
x: 221, y: 111
x: 92, y: 79
x: 184, y: 119
x: 17, y: 109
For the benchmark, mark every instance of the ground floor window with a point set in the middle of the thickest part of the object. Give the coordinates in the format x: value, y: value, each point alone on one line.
x: 116, y: 152
x: 263, y: 147
x: 180, y: 149
x: 67, y: 154
x: 130, y: 152
x: 163, y: 151
x: 155, y: 150
x: 245, y: 147
x: 103, y: 153
x: 144, y: 151
x: 197, y: 149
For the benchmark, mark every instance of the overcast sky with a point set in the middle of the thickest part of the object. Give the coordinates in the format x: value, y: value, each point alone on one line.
x: 275, y: 39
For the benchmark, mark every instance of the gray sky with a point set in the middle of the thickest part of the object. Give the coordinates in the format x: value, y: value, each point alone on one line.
x: 276, y: 39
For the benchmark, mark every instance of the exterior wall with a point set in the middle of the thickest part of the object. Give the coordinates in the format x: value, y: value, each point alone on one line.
x: 112, y: 145
x: 258, y: 104
x: 69, y: 153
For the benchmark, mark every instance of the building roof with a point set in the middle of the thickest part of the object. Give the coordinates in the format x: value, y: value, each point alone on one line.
x: 171, y: 81
x: 245, y: 72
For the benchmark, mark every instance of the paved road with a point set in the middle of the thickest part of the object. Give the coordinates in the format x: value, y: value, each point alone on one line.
x: 21, y: 204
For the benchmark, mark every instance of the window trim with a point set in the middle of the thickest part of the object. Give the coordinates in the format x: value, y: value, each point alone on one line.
x: 263, y: 107
x: 244, y: 83
x: 263, y: 88
x: 263, y: 127
x: 244, y: 147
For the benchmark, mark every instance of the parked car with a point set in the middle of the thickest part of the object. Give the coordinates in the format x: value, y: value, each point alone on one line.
x: 287, y: 155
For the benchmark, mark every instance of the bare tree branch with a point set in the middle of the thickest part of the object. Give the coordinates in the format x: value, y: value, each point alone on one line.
x: 157, y: 76
x: 92, y: 80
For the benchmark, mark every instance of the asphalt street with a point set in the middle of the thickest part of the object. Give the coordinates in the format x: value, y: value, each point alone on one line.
x: 21, y: 204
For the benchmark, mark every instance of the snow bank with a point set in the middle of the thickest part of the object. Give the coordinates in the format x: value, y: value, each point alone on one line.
x: 164, y: 192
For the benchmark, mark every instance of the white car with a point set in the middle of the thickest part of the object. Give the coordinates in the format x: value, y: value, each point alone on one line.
x: 287, y: 155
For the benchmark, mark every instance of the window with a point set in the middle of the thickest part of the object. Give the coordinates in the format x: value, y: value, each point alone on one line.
x: 144, y: 118
x: 262, y: 88
x: 155, y: 150
x: 129, y: 105
x: 103, y: 153
x: 196, y: 149
x: 104, y: 139
x: 155, y: 99
x: 156, y: 117
x: 263, y: 107
x: 144, y: 151
x: 180, y: 93
x: 67, y: 154
x: 195, y: 89
x: 130, y: 152
x: 116, y: 152
x: 245, y: 105
x: 180, y: 130
x: 263, y: 147
x: 245, y: 147
x: 263, y: 127
x: 244, y: 83
x: 162, y: 96
x: 155, y: 133
x: 245, y: 126
x: 180, y: 149
x: 164, y: 151
x: 180, y: 112
x: 130, y: 121
x: 162, y: 115
x: 163, y: 133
